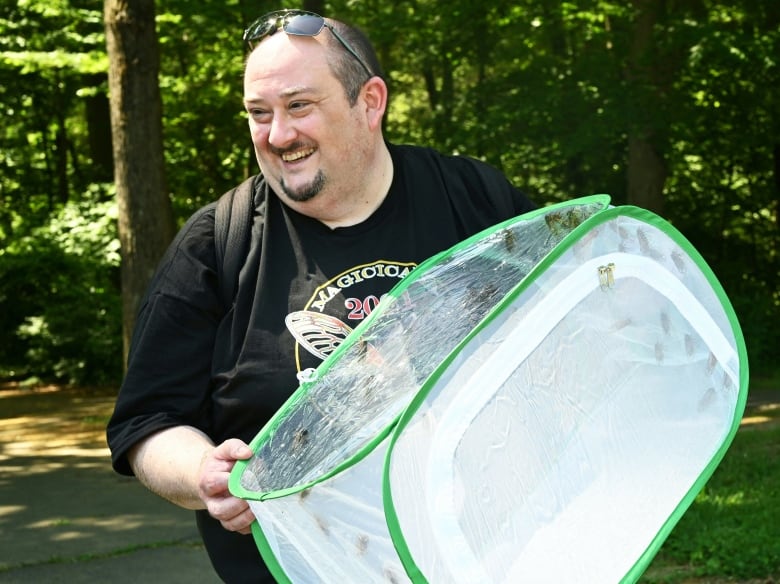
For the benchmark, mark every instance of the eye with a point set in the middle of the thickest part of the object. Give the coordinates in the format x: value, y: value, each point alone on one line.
x: 259, y: 115
x: 299, y: 107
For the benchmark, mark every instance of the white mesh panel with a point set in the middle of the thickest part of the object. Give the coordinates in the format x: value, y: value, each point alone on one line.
x: 569, y: 429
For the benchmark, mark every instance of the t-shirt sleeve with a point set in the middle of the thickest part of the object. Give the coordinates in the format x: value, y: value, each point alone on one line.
x: 491, y: 190
x: 169, y: 363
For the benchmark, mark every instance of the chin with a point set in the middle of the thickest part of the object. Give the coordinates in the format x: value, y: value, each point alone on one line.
x: 304, y: 192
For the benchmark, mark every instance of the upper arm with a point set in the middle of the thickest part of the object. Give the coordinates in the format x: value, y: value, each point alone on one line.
x: 169, y: 367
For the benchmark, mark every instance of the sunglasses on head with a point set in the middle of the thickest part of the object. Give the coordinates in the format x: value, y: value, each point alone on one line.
x: 298, y: 23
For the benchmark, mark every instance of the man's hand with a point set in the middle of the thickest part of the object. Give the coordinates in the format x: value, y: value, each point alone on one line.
x: 234, y: 514
x: 182, y: 465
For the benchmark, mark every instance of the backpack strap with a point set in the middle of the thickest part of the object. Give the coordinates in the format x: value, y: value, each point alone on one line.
x: 232, y: 228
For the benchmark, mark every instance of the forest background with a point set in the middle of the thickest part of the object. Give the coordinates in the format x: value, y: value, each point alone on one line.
x: 672, y: 105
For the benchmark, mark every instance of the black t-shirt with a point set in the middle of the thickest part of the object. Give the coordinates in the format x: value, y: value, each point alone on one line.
x: 303, y: 287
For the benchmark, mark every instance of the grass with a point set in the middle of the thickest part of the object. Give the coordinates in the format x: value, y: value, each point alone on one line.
x: 731, y: 533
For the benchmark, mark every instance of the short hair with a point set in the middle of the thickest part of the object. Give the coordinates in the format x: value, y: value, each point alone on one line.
x: 346, y: 68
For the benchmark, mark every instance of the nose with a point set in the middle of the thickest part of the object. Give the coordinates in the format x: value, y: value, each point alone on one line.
x: 282, y: 132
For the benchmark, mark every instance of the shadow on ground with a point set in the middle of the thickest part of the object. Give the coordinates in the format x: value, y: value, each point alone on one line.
x: 65, y: 516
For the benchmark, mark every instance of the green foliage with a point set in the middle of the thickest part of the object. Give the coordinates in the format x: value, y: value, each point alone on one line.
x: 547, y: 92
x: 758, y: 309
x: 732, y: 527
x: 52, y: 62
x: 59, y: 299
x: 207, y: 144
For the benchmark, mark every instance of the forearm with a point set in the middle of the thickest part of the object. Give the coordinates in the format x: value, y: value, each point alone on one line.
x: 168, y: 463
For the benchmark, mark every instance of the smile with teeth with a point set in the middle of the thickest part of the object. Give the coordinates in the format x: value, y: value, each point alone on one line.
x: 293, y: 156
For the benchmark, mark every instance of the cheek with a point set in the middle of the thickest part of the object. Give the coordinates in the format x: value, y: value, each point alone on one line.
x: 258, y: 133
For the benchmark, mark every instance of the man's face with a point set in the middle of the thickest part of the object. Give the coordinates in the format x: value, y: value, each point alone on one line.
x: 306, y: 137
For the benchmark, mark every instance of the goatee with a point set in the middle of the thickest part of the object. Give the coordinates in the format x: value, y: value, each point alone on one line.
x: 305, y: 192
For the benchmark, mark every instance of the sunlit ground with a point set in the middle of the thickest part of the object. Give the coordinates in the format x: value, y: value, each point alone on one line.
x: 763, y: 414
x: 58, y: 485
x: 52, y: 420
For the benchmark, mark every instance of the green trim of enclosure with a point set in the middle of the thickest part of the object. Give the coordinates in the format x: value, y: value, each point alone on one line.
x: 268, y: 556
x: 599, y: 218
x: 391, y: 516
x: 652, y: 549
x: 234, y: 482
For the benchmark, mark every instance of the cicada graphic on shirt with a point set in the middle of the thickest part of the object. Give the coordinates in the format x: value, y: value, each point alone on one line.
x: 354, y: 293
x: 319, y: 334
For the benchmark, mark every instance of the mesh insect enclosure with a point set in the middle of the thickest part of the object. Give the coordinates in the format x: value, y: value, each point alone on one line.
x: 541, y: 402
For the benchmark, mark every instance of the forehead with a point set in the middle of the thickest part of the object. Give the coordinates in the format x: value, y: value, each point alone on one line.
x: 286, y: 59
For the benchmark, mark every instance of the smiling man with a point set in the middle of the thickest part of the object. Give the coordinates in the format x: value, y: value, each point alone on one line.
x: 340, y: 216
x: 324, y: 156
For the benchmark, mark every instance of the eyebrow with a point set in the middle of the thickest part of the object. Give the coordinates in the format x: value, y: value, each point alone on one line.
x: 289, y: 92
x: 293, y: 91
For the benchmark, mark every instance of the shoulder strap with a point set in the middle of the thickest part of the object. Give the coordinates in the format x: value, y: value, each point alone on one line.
x: 232, y: 228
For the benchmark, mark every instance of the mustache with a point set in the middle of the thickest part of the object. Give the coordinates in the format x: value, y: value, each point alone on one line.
x: 291, y: 148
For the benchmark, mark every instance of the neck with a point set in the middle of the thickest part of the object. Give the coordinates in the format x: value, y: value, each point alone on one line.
x: 370, y: 195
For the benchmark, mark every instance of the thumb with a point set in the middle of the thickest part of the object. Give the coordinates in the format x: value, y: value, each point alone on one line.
x: 235, y: 449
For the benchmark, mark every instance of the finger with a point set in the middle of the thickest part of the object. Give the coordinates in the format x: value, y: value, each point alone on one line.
x: 226, y: 507
x: 216, y: 466
x: 233, y: 513
x: 213, y: 484
x: 232, y: 450
x: 241, y: 523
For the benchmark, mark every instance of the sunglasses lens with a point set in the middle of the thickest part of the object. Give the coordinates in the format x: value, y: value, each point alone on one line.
x: 292, y: 22
x: 304, y: 25
x: 298, y: 23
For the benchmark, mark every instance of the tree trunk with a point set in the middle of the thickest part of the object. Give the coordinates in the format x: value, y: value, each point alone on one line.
x: 98, y: 116
x: 646, y: 172
x: 146, y: 224
x: 646, y: 175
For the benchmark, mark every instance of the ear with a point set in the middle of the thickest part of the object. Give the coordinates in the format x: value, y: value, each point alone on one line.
x: 374, y: 96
